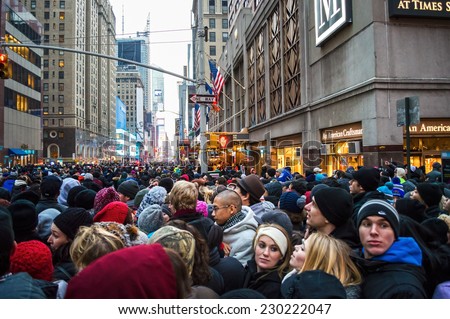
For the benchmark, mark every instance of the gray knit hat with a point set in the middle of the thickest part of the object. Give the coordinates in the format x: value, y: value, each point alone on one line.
x: 156, y: 195
x: 151, y: 219
x: 128, y: 188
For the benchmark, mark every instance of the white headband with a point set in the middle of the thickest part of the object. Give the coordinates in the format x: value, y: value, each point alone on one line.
x: 277, y: 236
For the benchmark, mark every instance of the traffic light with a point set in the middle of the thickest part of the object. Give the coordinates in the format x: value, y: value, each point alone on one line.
x: 4, y: 66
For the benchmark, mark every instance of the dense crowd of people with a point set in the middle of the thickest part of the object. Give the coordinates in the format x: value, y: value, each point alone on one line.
x: 155, y: 231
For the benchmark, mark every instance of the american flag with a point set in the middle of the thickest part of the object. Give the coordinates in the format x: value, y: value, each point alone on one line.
x: 217, y: 79
x: 196, y: 126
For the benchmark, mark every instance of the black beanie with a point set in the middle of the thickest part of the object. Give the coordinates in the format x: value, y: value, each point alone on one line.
x: 335, y: 204
x: 28, y: 195
x: 85, y: 199
x: 167, y: 183
x: 71, y: 219
x: 431, y: 194
x: 24, y: 216
x: 128, y: 188
x: 50, y: 186
x: 368, y: 178
x: 381, y: 208
x: 73, y: 192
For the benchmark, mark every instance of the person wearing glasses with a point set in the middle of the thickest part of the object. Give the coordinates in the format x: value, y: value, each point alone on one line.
x: 238, y: 224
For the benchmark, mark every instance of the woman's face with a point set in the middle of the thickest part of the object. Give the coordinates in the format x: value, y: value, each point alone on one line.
x: 267, y: 253
x: 446, y: 204
x: 298, y: 256
x: 57, y: 238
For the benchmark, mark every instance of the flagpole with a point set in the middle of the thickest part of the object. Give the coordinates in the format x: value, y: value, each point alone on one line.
x: 209, y: 57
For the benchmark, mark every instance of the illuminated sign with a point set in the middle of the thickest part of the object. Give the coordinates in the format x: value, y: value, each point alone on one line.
x: 331, y: 16
x: 420, y: 8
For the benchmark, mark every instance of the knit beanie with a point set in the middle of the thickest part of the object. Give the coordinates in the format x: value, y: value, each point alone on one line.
x: 381, y: 208
x: 167, y: 183
x: 67, y: 184
x: 202, y: 207
x: 397, y: 189
x: 85, y: 199
x: 288, y: 202
x: 45, y: 221
x: 368, y: 178
x: 317, y: 188
x: 34, y: 258
x: 140, y: 196
x: 24, y: 216
x: 128, y: 188
x: 275, y: 234
x: 335, y: 204
x: 50, y: 186
x: 156, y: 195
x: 104, y: 197
x: 181, y: 241
x: 73, y: 192
x: 401, y: 172
x: 253, y: 186
x: 71, y: 219
x: 431, y: 194
x: 151, y: 219
x: 113, y: 212
x: 274, y: 189
x: 277, y: 216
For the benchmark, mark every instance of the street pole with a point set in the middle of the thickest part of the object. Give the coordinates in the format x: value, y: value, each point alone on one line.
x: 201, y: 89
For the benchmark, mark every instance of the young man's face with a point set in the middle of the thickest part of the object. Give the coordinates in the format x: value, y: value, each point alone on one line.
x: 376, y: 235
x: 355, y: 187
x: 314, y: 216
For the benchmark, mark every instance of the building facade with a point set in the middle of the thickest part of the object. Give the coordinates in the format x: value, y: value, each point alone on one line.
x: 322, y: 80
x: 78, y: 98
x: 20, y: 93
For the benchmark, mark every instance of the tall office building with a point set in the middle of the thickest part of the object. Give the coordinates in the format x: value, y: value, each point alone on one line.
x: 79, y: 91
x: 20, y: 94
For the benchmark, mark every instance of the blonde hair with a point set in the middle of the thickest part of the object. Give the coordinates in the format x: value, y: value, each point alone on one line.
x: 282, y: 267
x: 183, y: 195
x: 332, y: 256
x: 91, y: 243
x: 446, y: 219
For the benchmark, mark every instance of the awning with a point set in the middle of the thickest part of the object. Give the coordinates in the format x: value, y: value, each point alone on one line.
x: 17, y: 151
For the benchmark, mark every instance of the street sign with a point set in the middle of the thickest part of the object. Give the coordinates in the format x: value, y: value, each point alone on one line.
x: 414, y: 111
x: 204, y: 98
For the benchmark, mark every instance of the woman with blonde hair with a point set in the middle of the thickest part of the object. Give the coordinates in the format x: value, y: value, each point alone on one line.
x: 331, y: 255
x: 92, y: 243
x: 272, y: 248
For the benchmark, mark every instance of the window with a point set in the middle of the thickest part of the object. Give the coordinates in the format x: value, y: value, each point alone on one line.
x: 61, y: 27
x: 224, y: 23
x: 45, y: 110
x: 212, y: 37
x: 46, y: 26
x: 61, y: 122
x: 46, y: 15
x: 33, y: 4
x: 62, y: 4
x: 46, y: 4
x: 61, y: 98
x: 224, y: 36
x: 62, y: 16
x: 60, y: 110
x: 46, y: 38
x: 61, y: 87
x: 61, y: 63
x: 61, y: 134
x: 61, y: 74
x: 212, y: 6
x: 45, y: 99
x: 212, y: 23
x: 224, y: 6
x: 45, y: 86
x: 45, y: 122
x: 45, y: 63
x: 45, y: 75
x: 212, y: 50
x: 61, y: 38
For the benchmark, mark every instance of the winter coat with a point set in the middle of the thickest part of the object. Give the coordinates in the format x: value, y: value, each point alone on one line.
x: 397, y: 274
x: 267, y: 283
x: 20, y: 286
x: 240, y: 236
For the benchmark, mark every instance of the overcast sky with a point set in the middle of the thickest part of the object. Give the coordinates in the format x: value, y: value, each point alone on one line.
x: 168, y: 50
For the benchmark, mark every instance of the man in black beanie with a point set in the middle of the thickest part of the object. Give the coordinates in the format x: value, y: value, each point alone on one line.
x: 392, y: 265
x: 430, y: 195
x: 329, y: 212
x: 25, y: 220
x: 127, y: 192
x: 363, y: 187
x: 50, y: 186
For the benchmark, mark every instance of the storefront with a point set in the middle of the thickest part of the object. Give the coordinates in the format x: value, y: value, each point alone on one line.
x: 287, y: 151
x: 225, y: 149
x: 341, y: 147
x: 429, y: 139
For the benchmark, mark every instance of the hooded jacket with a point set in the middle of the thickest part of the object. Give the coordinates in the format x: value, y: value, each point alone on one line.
x: 397, y: 274
x: 240, y: 236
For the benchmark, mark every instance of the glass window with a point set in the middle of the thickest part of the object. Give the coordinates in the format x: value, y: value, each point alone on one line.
x: 61, y: 86
x: 46, y: 26
x: 212, y: 37
x: 212, y: 6
x: 60, y: 110
x: 46, y: 15
x: 62, y: 4
x: 61, y: 134
x: 224, y: 6
x: 45, y: 110
x: 61, y: 38
x: 224, y: 23
x: 212, y: 23
x: 224, y: 36
x: 45, y: 74
x: 46, y: 4
x: 45, y: 122
x: 61, y: 75
x: 45, y: 86
x: 61, y: 98
x: 61, y: 122
x: 45, y: 99
x: 45, y: 63
x: 33, y: 4
x: 61, y: 63
x: 212, y: 50
x: 61, y: 27
x: 62, y: 16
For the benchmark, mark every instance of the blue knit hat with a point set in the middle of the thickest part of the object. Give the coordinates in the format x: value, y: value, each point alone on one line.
x: 288, y: 202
